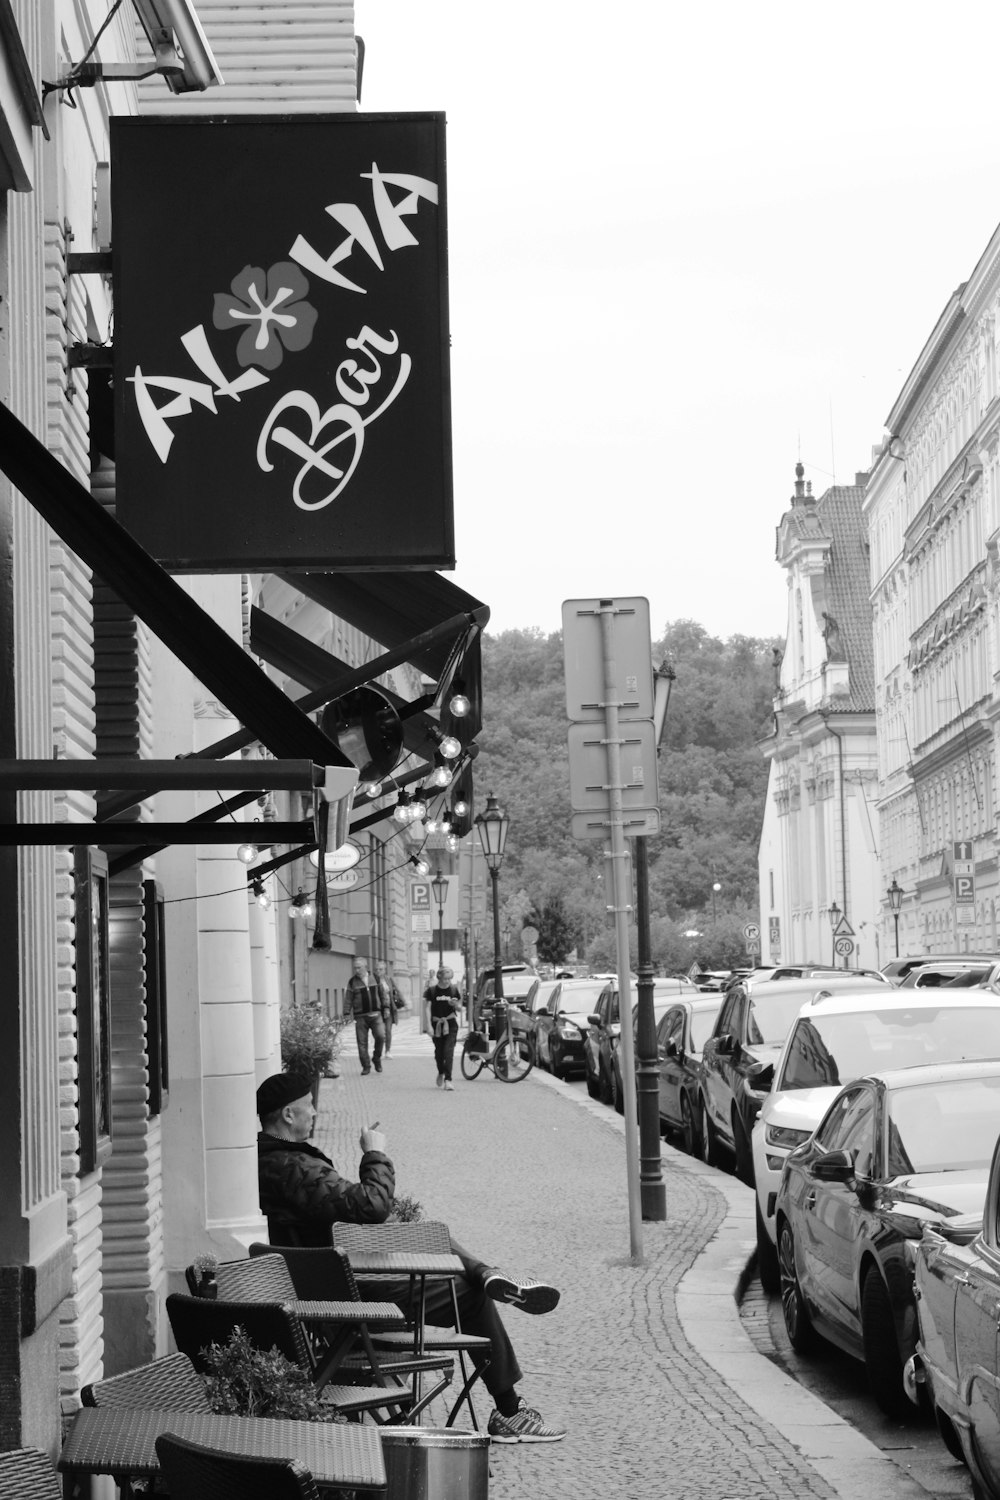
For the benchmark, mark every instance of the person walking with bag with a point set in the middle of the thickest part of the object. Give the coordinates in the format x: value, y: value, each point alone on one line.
x: 444, y: 1001
x: 387, y: 998
x: 366, y: 1007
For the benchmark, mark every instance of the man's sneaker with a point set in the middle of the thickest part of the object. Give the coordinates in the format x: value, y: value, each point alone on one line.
x: 449, y: 1087
x: 525, y: 1426
x: 440, y: 1081
x: 529, y: 1296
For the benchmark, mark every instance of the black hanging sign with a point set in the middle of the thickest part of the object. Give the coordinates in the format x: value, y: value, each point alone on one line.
x: 281, y: 341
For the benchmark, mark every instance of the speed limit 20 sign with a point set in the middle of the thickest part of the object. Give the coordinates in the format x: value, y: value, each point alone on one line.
x: 844, y: 947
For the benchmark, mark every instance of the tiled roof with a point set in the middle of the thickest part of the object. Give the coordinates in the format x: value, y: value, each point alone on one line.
x: 848, y: 592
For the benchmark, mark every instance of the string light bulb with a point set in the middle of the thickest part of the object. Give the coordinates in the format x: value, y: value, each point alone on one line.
x: 452, y: 842
x: 418, y: 807
x: 450, y: 747
x: 420, y: 865
x: 369, y: 788
x: 461, y: 807
x: 459, y: 706
x: 440, y: 776
x: 401, y: 812
x: 260, y: 895
x: 247, y: 853
x: 301, y: 907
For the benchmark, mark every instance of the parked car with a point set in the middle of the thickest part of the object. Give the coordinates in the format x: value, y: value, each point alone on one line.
x: 561, y: 1026
x: 955, y: 971
x: 681, y: 1035
x: 524, y: 1013
x: 602, y: 1032
x: 738, y: 1060
x: 893, y: 1153
x: 897, y: 969
x: 517, y: 982
x: 660, y: 1004
x: 957, y: 1362
x: 842, y: 1037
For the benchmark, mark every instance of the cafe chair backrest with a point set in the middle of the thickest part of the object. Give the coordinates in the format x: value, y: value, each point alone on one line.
x: 428, y: 1235
x: 196, y: 1323
x: 318, y: 1275
x: 26, y: 1474
x: 195, y: 1471
x: 171, y: 1382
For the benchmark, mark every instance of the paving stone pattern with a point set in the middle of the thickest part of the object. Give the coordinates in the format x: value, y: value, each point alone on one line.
x: 532, y: 1176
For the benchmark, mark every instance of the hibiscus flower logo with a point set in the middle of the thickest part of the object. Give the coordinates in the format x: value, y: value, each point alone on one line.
x: 269, y: 310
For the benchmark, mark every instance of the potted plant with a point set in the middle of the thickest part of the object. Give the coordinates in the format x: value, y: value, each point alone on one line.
x: 205, y: 1267
x: 245, y: 1381
x: 310, y: 1042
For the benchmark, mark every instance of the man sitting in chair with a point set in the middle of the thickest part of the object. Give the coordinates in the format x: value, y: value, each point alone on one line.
x: 303, y: 1194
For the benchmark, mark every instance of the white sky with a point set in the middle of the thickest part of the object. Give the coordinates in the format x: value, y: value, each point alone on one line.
x: 687, y: 243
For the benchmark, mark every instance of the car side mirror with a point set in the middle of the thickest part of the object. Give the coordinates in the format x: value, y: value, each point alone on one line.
x: 726, y: 1043
x: 765, y: 1078
x: 670, y: 1050
x: 594, y: 1020
x: 833, y: 1166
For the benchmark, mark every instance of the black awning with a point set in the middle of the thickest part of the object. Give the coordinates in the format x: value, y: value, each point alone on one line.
x: 393, y: 608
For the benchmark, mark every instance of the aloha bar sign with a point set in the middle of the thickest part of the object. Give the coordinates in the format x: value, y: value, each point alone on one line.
x: 281, y: 341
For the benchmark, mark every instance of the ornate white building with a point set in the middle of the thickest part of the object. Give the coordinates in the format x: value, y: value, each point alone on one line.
x: 818, y: 862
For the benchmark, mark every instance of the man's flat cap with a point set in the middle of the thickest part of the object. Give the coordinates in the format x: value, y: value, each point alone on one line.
x: 281, y: 1089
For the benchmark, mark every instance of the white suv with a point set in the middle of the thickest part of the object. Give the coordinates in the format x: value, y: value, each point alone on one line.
x: 846, y: 1036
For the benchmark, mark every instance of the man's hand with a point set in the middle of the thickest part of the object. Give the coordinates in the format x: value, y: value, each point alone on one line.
x: 372, y: 1139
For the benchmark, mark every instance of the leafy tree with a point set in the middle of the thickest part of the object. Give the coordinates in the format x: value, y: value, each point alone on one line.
x: 556, y: 935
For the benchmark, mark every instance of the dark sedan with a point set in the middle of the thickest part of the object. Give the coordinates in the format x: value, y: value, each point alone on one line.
x: 894, y: 1153
x: 680, y: 1040
x: 603, y: 1029
x: 561, y: 1026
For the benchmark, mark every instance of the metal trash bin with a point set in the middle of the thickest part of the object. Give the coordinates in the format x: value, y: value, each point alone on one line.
x: 434, y: 1463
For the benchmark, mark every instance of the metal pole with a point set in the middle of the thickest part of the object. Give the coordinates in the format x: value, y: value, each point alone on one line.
x: 618, y: 855
x: 497, y: 962
x: 441, y: 937
x: 652, y: 1189
x: 895, y: 918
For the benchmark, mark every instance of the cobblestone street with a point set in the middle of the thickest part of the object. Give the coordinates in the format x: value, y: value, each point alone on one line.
x: 660, y: 1391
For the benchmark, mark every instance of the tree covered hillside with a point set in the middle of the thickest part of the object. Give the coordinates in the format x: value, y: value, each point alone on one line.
x: 713, y: 780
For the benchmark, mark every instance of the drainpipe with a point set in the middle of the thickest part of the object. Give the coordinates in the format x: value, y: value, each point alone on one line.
x: 843, y: 816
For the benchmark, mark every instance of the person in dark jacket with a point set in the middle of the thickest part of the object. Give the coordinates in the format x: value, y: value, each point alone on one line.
x: 365, y: 999
x: 303, y: 1195
x: 444, y: 1001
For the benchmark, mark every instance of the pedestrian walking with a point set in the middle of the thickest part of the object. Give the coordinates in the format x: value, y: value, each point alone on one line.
x: 444, y: 1001
x: 385, y: 991
x: 366, y: 1007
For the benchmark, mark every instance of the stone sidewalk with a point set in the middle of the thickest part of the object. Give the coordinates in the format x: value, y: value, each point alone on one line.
x: 646, y: 1365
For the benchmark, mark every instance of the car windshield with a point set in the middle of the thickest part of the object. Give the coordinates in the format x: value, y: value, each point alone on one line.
x: 833, y: 1050
x: 772, y: 1015
x: 943, y: 1127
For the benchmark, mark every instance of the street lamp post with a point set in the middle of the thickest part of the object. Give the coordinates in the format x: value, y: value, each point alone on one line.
x: 439, y: 887
x: 492, y: 826
x: 895, y: 894
x: 834, y: 924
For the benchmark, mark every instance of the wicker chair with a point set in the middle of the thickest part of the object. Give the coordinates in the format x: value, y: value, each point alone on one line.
x: 195, y: 1471
x: 432, y: 1237
x: 172, y: 1383
x: 26, y: 1474
x: 197, y: 1322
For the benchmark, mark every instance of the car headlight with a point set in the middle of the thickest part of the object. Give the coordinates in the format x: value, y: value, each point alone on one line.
x: 568, y: 1031
x: 784, y: 1136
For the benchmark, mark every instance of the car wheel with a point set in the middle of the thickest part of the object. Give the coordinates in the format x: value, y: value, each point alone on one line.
x: 948, y: 1435
x: 709, y: 1148
x: 604, y: 1086
x: 689, y: 1131
x: 593, y: 1087
x: 878, y: 1337
x: 742, y: 1150
x: 617, y: 1090
x: 793, y: 1307
x: 767, y: 1257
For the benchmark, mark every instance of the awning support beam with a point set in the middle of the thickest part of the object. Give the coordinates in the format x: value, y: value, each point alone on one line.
x: 113, y: 772
x: 68, y: 834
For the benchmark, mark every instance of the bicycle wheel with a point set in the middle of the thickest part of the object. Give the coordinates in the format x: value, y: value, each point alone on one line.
x: 513, y: 1059
x: 472, y: 1062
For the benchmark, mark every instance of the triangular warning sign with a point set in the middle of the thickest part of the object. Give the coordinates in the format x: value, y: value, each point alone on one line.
x: 843, y: 928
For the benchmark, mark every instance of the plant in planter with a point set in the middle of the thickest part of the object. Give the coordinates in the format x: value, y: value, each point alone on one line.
x: 245, y: 1381
x: 405, y: 1210
x: 205, y: 1267
x: 311, y: 1041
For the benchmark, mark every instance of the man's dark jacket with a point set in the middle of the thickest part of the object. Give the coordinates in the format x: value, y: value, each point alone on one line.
x: 303, y: 1194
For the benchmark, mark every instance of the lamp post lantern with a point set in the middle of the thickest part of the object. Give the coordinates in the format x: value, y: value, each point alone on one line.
x: 492, y: 826
x: 716, y: 888
x: 895, y: 894
x: 439, y: 887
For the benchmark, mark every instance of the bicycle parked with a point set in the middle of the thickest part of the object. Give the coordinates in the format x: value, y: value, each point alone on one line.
x: 510, y: 1058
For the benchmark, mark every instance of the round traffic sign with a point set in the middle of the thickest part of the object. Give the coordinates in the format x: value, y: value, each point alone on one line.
x: 751, y: 932
x: 844, y: 946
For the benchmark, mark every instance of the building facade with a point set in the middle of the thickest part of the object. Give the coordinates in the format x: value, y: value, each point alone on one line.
x: 931, y: 508
x: 143, y: 982
x: 818, y: 863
